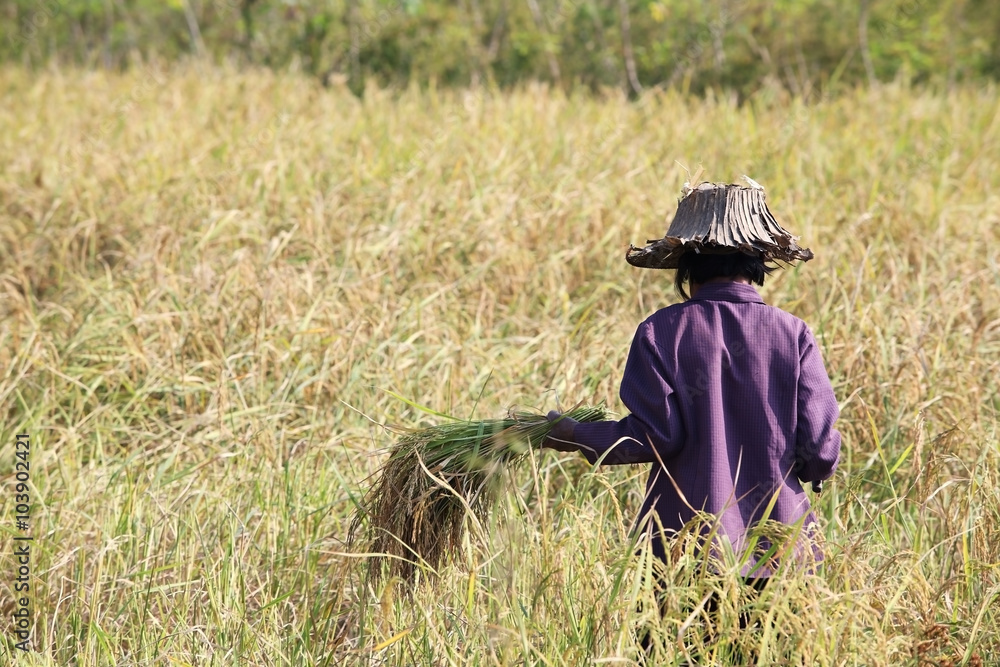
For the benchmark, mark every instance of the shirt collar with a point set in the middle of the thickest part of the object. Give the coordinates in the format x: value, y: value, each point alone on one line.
x: 726, y: 291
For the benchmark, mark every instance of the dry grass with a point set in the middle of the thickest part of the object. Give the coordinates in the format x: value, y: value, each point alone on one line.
x: 198, y: 269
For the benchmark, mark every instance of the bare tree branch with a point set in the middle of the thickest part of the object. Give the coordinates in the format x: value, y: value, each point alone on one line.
x: 866, y: 54
x: 536, y: 14
x: 633, y: 77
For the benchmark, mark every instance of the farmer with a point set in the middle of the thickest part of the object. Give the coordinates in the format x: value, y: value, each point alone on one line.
x: 729, y: 398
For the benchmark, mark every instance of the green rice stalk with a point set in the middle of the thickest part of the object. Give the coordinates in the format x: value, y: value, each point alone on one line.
x: 435, y: 477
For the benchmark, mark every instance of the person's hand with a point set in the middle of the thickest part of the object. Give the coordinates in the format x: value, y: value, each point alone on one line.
x: 817, y: 486
x: 561, y: 436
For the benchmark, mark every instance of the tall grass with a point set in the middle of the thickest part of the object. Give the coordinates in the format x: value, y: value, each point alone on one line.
x: 208, y: 280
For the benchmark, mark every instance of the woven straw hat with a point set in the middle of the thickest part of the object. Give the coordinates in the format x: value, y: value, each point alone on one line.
x: 720, y: 218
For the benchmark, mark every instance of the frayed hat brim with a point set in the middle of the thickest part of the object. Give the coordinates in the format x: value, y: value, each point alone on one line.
x: 716, y: 218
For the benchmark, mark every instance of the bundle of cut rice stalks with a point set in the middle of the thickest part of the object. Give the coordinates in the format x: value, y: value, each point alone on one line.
x: 436, y: 476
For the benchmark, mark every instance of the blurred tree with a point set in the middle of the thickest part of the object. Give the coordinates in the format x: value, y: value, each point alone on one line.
x: 739, y: 45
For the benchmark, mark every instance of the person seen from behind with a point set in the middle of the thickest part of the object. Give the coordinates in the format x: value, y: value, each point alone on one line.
x: 729, y: 399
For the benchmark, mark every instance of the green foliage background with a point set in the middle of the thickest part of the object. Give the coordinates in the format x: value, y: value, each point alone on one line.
x: 736, y: 45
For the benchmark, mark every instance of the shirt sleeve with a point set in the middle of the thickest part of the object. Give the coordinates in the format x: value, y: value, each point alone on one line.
x: 653, y: 430
x: 817, y: 442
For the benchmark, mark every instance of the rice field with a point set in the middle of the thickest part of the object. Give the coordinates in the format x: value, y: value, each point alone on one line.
x: 215, y: 285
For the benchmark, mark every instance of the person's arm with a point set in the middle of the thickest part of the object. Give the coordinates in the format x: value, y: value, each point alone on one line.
x: 817, y: 441
x: 651, y: 432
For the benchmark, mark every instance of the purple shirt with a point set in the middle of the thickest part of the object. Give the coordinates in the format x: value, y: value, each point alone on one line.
x: 730, y: 401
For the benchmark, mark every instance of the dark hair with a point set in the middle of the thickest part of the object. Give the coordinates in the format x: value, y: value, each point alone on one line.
x: 697, y: 268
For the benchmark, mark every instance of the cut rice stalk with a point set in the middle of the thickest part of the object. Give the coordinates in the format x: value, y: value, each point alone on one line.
x: 434, y: 477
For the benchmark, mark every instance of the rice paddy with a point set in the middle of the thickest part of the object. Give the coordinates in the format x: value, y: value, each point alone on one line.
x: 213, y: 284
